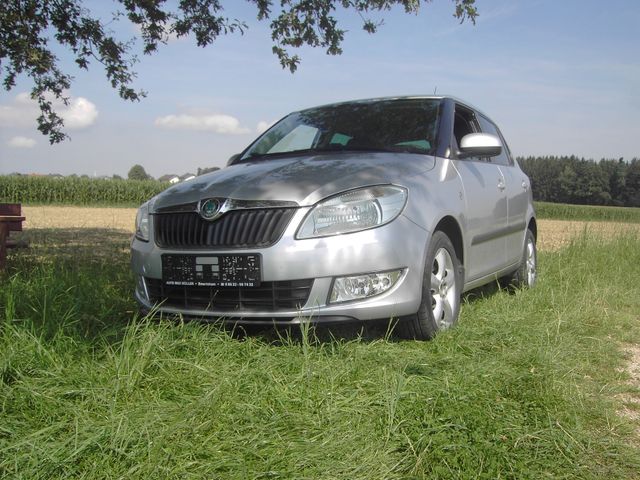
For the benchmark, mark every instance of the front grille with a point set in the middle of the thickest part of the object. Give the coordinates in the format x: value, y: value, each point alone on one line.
x: 268, y: 297
x: 235, y: 229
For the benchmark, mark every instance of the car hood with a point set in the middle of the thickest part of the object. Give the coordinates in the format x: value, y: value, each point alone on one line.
x: 303, y: 179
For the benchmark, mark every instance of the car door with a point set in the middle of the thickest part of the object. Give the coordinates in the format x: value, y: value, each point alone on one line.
x: 485, y: 204
x: 517, y: 193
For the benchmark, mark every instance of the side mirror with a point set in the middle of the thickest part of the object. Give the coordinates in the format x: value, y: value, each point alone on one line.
x: 480, y: 145
x: 233, y: 159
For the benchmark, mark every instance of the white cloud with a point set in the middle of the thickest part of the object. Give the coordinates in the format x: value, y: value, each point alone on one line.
x: 80, y: 113
x: 21, y: 142
x: 218, y: 123
x: 262, y: 126
x: 23, y: 98
x: 23, y: 112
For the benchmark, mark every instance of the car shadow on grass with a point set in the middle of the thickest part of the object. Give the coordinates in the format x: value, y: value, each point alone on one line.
x: 64, y: 245
x: 77, y: 279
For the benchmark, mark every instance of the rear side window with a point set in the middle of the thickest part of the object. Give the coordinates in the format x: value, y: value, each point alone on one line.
x: 487, y: 126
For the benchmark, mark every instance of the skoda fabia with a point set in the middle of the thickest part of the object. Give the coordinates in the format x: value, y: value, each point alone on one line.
x: 385, y: 208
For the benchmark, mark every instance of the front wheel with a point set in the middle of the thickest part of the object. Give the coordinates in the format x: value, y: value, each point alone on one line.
x: 441, y: 290
x: 527, y: 273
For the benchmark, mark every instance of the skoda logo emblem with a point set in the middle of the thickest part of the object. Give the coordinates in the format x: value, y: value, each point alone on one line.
x: 210, y: 209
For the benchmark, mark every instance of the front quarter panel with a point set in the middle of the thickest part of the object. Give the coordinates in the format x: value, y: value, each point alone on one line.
x: 436, y: 194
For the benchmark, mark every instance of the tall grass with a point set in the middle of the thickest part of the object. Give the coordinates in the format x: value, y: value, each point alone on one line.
x: 523, y: 387
x: 77, y: 191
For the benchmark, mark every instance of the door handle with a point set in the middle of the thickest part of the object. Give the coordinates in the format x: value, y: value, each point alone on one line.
x: 501, y: 185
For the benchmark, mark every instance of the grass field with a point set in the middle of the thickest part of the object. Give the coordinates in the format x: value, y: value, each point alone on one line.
x: 536, y: 384
x: 563, y: 211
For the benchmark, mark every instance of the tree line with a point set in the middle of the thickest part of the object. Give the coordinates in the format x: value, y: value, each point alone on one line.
x: 583, y: 182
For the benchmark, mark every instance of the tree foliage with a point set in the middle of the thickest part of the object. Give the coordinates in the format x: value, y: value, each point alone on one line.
x: 29, y: 27
x: 137, y: 172
x: 584, y: 182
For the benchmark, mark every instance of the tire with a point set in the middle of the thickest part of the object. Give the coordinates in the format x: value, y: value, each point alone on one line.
x: 527, y: 273
x: 441, y: 289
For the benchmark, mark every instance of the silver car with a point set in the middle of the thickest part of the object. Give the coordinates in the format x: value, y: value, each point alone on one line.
x: 385, y: 208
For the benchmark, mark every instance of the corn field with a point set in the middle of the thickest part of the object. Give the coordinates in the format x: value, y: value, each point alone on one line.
x: 77, y: 191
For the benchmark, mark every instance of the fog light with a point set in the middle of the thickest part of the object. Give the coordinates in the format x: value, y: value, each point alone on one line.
x: 363, y: 286
x: 141, y: 287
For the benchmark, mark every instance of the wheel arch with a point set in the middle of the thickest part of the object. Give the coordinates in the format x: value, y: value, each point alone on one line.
x: 533, y: 226
x: 450, y: 227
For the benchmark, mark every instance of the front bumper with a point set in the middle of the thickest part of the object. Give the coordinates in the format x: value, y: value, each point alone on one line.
x: 397, y: 245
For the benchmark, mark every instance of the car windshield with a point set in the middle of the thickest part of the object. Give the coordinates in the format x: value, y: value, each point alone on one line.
x: 404, y: 125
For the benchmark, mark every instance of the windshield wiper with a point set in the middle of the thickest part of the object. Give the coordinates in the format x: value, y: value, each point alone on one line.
x: 253, y: 156
x: 365, y: 148
x: 339, y: 148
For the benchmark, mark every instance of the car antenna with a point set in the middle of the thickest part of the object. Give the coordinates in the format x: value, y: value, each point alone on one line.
x: 435, y: 90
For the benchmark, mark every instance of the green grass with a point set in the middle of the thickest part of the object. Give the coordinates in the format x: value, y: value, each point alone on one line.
x: 563, y: 211
x: 523, y: 387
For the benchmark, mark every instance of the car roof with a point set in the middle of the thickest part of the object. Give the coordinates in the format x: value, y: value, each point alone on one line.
x: 399, y: 97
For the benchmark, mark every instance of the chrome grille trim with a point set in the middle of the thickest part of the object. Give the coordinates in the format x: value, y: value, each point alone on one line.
x: 228, y: 205
x: 256, y: 228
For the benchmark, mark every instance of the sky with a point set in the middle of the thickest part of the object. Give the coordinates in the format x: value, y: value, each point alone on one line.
x: 559, y: 77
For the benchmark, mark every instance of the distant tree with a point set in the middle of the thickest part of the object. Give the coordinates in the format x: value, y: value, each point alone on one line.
x: 567, y: 182
x: 614, y: 172
x: 591, y: 187
x: 544, y: 173
x: 29, y: 27
x: 137, y: 172
x: 117, y: 177
x: 632, y: 184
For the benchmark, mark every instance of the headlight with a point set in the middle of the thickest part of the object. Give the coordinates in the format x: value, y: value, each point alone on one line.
x: 354, y: 211
x: 142, y: 223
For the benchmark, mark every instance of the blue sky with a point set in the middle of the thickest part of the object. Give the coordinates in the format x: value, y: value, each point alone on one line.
x: 559, y: 77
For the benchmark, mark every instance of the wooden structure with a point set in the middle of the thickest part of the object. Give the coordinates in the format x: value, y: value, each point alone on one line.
x: 10, y: 221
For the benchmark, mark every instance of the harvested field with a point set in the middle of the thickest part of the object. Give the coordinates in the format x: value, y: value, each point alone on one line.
x: 555, y: 234
x: 79, y: 217
x: 552, y: 234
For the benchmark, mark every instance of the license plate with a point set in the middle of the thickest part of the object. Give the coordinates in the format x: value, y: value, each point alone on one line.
x: 211, y: 270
